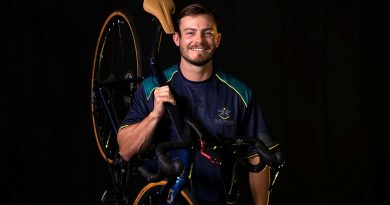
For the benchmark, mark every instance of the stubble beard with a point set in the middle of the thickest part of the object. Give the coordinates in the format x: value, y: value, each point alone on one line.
x: 200, y: 61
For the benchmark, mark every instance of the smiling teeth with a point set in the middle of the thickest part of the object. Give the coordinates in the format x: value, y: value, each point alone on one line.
x: 198, y: 49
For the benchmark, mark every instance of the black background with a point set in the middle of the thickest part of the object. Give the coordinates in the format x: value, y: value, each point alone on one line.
x: 317, y: 68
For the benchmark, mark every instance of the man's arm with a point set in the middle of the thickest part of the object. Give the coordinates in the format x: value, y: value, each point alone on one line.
x: 259, y: 184
x: 136, y: 137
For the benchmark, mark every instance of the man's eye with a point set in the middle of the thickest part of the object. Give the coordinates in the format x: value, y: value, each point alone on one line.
x: 208, y: 33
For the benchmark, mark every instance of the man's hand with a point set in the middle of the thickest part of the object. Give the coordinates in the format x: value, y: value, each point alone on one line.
x: 135, y: 138
x: 161, y: 95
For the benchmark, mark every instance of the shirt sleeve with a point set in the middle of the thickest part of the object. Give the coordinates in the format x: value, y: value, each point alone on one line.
x: 256, y: 127
x: 140, y: 108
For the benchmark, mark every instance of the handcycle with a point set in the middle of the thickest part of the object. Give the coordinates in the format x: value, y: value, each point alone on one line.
x: 116, y: 74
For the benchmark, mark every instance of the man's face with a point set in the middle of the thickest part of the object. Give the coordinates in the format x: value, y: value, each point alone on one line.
x: 198, y: 39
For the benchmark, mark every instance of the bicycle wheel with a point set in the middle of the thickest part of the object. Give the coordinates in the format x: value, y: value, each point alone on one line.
x: 116, y: 72
x: 152, y: 194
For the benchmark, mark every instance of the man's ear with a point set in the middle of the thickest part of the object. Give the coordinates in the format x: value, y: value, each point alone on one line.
x: 176, y: 38
x: 217, y: 39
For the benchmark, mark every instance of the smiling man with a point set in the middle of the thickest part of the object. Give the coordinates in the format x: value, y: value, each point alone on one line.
x: 197, y: 39
x: 220, y: 103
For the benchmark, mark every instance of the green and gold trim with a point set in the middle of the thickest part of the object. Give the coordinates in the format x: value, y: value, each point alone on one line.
x: 238, y: 86
x: 150, y: 83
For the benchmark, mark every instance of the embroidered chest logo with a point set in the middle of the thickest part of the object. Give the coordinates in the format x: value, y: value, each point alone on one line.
x: 225, y: 117
x: 224, y: 113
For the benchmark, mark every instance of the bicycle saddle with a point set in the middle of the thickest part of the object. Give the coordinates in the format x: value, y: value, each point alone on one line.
x: 162, y: 9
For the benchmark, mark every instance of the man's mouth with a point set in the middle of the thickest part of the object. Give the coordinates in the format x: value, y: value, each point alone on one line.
x: 198, y: 49
x: 201, y: 47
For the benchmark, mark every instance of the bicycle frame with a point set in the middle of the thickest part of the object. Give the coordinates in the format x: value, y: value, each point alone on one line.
x: 178, y: 179
x: 175, y: 189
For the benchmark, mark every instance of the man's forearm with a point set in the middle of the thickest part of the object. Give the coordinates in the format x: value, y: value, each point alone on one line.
x: 259, y: 184
x: 136, y: 137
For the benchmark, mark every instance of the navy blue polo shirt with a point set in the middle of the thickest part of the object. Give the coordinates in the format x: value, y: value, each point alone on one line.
x: 222, y: 105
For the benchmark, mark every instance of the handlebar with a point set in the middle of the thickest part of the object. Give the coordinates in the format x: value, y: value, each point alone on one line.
x: 274, y: 159
x: 168, y: 167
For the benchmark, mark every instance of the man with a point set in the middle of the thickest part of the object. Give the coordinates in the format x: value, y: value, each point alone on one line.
x: 221, y: 104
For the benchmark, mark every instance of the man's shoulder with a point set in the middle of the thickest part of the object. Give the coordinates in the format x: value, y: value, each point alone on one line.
x: 150, y: 83
x: 237, y: 85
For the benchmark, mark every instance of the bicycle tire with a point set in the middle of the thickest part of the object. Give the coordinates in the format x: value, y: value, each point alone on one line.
x: 117, y: 57
x: 151, y: 194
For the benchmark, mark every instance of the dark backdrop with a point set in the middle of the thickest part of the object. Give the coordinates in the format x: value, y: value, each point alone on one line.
x: 316, y: 66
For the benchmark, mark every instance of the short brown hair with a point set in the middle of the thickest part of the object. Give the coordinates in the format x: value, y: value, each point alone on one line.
x: 195, y: 9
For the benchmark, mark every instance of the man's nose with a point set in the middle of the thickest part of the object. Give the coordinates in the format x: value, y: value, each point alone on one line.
x: 198, y: 37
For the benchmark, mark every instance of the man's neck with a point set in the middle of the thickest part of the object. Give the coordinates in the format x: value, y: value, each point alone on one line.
x: 196, y: 73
